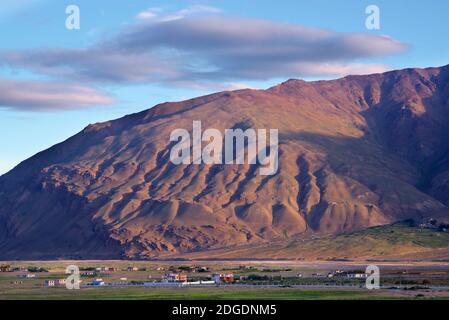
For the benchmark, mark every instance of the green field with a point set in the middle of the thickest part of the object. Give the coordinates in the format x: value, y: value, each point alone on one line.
x: 206, y: 294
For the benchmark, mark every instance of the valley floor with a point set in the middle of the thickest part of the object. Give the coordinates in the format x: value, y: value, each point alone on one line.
x: 278, y: 280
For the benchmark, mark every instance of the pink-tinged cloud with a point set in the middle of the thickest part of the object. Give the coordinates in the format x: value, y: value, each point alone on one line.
x: 51, y: 96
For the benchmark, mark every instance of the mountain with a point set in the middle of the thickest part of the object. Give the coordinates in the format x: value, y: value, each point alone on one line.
x: 354, y: 153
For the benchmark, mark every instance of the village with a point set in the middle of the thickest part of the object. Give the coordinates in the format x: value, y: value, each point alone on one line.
x: 180, y: 276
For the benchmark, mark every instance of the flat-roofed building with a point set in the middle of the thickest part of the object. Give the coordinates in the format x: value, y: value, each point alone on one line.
x: 175, y: 277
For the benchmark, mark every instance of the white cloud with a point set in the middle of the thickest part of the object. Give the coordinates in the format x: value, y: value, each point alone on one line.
x: 159, y: 14
x: 148, y: 14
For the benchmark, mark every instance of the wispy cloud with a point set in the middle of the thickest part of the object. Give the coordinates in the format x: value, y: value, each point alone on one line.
x: 97, y: 64
x: 45, y: 95
x: 160, y: 15
x: 148, y: 14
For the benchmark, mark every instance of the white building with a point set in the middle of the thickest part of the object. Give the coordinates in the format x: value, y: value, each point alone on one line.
x: 49, y: 283
x: 357, y: 275
x: 98, y: 282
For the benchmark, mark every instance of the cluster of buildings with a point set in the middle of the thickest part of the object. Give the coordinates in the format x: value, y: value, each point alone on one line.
x: 179, y: 277
x: 346, y: 274
x: 106, y: 269
x: 174, y: 277
x: 5, y: 268
x: 217, y: 278
x: 54, y: 282
x: 340, y: 274
x: 8, y: 268
x: 113, y: 269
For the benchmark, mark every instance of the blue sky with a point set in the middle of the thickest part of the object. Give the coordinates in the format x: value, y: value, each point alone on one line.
x: 130, y: 56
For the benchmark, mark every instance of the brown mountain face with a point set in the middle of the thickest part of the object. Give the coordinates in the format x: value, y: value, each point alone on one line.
x: 353, y: 153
